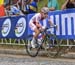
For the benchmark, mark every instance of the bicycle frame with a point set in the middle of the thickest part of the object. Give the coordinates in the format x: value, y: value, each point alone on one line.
x: 45, y: 35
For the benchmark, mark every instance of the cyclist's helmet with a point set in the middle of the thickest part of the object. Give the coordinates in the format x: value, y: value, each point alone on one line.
x: 45, y: 9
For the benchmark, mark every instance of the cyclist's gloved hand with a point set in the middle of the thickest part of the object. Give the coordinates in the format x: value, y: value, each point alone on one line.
x: 56, y: 27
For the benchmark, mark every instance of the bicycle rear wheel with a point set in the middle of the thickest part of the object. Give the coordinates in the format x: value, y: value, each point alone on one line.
x: 52, y: 45
x: 33, y: 52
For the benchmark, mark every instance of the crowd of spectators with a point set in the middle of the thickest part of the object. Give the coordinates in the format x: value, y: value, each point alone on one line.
x: 22, y: 7
x: 18, y: 7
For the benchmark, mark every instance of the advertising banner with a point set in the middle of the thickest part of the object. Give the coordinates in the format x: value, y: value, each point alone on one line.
x: 13, y: 27
x: 18, y: 26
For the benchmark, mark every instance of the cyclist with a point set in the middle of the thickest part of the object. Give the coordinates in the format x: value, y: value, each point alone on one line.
x: 35, y: 24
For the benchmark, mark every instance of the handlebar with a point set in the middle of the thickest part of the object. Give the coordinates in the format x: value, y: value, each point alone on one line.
x: 51, y: 27
x: 54, y: 26
x: 47, y: 28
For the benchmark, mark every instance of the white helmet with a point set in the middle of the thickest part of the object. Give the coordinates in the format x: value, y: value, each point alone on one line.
x: 45, y: 9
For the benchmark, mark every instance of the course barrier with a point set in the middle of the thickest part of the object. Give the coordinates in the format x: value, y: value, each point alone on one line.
x: 16, y: 27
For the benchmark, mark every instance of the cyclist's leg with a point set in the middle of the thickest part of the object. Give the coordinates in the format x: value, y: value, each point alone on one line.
x: 36, y: 31
x: 35, y: 37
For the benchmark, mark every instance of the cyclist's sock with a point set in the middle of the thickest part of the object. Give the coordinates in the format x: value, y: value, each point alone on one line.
x: 33, y: 42
x: 39, y: 41
x: 34, y: 39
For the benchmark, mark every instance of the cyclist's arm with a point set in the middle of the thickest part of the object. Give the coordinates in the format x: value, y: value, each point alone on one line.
x: 64, y: 5
x: 50, y: 22
x: 38, y: 21
x: 38, y: 25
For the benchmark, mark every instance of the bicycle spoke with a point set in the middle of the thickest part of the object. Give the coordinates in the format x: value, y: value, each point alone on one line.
x: 53, y: 44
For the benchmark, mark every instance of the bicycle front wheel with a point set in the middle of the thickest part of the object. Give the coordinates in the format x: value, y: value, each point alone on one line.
x: 52, y: 45
x: 33, y: 52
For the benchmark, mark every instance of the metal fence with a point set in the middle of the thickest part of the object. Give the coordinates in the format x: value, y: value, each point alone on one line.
x: 12, y: 41
x: 63, y: 42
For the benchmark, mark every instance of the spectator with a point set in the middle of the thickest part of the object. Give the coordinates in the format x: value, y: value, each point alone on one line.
x: 32, y: 7
x: 16, y: 3
x: 22, y: 4
x: 68, y: 4
x: 53, y: 5
x: 12, y: 10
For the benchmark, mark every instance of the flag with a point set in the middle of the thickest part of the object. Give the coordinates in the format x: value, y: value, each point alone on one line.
x: 1, y: 2
x: 2, y: 10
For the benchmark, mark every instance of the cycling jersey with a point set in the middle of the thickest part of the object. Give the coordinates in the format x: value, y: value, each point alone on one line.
x: 33, y: 20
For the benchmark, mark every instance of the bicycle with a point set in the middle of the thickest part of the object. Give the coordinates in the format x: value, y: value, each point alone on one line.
x: 50, y: 44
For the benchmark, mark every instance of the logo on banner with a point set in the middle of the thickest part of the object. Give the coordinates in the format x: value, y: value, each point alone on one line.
x: 20, y: 27
x: 6, y: 27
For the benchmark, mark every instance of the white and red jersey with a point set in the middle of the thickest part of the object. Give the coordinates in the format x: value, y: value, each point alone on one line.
x: 34, y: 19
